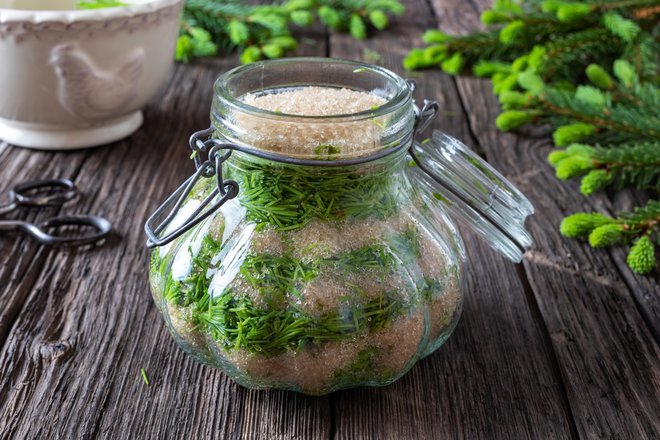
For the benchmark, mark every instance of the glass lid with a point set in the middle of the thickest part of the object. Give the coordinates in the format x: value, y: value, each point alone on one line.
x: 474, y: 192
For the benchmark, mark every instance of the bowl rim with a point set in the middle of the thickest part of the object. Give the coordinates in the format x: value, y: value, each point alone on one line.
x: 75, y: 15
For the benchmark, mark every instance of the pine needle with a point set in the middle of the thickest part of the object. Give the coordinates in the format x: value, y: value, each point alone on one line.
x: 143, y: 372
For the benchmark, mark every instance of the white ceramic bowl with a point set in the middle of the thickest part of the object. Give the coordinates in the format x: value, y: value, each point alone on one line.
x: 79, y: 78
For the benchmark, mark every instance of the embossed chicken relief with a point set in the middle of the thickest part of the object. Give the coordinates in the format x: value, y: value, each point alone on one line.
x: 90, y: 93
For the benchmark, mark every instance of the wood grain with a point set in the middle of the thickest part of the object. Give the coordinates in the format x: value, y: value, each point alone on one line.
x: 21, y: 258
x: 561, y: 347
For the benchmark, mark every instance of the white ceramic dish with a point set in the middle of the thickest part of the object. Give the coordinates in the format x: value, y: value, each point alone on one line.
x: 79, y: 78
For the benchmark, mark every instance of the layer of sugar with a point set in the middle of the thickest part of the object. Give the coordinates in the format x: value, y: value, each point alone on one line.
x: 328, y: 291
x: 267, y: 241
x: 443, y: 309
x: 320, y: 239
x: 313, y: 368
x: 324, y: 293
x: 399, y: 342
x: 315, y: 101
x: 217, y: 228
x: 241, y: 287
x: 302, y: 138
x: 180, y: 319
x: 432, y: 259
x: 448, y: 299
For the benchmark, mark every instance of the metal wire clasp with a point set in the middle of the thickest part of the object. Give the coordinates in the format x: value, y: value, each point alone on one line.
x: 425, y: 116
x: 202, y: 143
x: 218, y: 152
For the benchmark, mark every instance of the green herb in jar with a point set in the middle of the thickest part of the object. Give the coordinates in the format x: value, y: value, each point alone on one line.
x: 321, y: 277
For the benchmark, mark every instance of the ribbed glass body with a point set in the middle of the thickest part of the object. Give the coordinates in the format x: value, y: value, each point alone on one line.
x: 315, y: 277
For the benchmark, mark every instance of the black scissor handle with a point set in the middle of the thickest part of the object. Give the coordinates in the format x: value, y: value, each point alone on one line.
x: 100, y: 226
x: 52, y: 192
x: 100, y: 229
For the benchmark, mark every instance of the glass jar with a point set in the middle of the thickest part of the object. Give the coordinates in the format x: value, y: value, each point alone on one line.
x: 314, y: 253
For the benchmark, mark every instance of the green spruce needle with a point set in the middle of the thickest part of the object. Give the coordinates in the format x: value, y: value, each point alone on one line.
x: 143, y: 372
x: 235, y: 322
x: 289, y: 197
x: 265, y: 31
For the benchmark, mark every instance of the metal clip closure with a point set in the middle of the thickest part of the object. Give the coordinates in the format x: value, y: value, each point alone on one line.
x: 426, y: 115
x: 199, y: 143
x: 226, y: 189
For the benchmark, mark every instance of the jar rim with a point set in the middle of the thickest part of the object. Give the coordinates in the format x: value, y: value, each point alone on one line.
x: 401, y: 98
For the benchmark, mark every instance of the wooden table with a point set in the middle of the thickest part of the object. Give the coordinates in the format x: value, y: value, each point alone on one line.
x: 564, y: 345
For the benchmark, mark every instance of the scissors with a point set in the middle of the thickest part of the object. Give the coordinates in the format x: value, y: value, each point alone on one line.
x: 52, y: 193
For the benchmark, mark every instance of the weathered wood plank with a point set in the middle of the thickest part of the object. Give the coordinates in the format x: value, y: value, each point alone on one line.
x: 495, y: 377
x: 85, y: 323
x: 606, y: 352
x: 72, y: 359
x: 22, y: 258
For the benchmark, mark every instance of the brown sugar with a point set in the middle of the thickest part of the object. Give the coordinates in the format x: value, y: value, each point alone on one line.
x: 315, y: 101
x: 313, y: 369
x: 302, y: 137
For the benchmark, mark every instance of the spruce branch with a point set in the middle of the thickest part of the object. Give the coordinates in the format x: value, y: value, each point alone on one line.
x: 632, y: 120
x: 264, y: 31
x: 626, y: 108
x: 591, y: 70
x: 623, y: 28
x: 635, y: 164
x: 639, y: 227
x: 470, y: 48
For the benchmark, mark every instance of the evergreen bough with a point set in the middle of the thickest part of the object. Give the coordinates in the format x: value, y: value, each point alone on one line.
x: 264, y: 31
x: 591, y: 70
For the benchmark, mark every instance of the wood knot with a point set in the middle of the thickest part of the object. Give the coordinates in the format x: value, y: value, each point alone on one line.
x: 562, y: 337
x: 54, y: 350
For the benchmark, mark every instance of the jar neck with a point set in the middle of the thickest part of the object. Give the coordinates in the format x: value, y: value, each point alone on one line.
x: 333, y: 138
x: 311, y: 135
x: 288, y: 197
